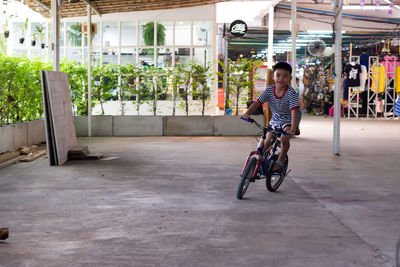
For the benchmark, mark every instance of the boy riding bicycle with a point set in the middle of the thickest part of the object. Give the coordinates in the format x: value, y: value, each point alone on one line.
x: 284, y: 104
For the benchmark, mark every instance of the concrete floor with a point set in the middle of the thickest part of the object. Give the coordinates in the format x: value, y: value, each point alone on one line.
x: 170, y: 201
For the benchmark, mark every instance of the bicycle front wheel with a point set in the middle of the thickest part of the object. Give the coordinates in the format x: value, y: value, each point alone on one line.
x: 246, y: 178
x: 273, y: 179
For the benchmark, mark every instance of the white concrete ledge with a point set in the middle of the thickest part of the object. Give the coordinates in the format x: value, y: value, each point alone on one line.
x: 21, y: 135
x: 138, y: 125
x: 234, y: 126
x: 7, y: 138
x: 17, y: 135
x: 36, y: 132
x: 188, y: 125
x: 101, y: 125
x: 166, y: 125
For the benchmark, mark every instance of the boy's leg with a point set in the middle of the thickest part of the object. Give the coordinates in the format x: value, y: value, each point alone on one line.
x: 285, y: 145
x: 267, y: 141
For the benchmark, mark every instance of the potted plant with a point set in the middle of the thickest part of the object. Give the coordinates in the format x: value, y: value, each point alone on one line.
x: 6, y: 31
x: 33, y: 41
x: 23, y: 30
x: 148, y: 35
x: 39, y: 31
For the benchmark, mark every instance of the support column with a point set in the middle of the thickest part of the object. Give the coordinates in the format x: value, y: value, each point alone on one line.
x: 338, y: 76
x: 270, y: 36
x: 225, y: 66
x: 56, y: 37
x: 89, y: 59
x: 294, y: 33
x: 214, y: 37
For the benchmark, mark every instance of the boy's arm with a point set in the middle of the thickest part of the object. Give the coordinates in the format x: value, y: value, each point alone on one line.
x: 253, y: 107
x: 293, y: 128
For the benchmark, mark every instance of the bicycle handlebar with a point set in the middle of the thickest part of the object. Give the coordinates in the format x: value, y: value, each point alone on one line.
x: 268, y: 128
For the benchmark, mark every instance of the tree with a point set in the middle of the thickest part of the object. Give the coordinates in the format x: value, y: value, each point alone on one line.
x: 177, y: 76
x: 200, y: 88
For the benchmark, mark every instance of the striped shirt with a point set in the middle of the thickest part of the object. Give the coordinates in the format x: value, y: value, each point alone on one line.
x: 281, y: 107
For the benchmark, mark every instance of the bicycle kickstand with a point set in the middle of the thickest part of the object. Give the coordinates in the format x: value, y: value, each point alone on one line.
x: 286, y: 174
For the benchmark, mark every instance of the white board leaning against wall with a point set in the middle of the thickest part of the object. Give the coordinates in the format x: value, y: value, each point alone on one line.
x: 60, y: 127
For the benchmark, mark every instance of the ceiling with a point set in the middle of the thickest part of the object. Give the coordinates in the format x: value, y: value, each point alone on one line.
x: 77, y: 8
x: 362, y: 28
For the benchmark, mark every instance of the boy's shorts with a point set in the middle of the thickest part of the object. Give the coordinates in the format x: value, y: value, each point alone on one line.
x: 280, y: 127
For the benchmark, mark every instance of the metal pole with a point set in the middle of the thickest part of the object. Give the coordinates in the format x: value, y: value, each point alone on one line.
x: 338, y: 76
x: 225, y: 66
x: 294, y: 33
x: 56, y: 35
x: 214, y: 36
x: 89, y: 59
x: 270, y: 36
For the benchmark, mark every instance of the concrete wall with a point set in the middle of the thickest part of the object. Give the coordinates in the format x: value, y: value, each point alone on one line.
x: 138, y: 125
x: 15, y: 136
x: 21, y: 135
x: 36, y: 132
x: 101, y: 125
x: 233, y: 125
x: 7, y: 138
x: 166, y: 125
x: 191, y: 125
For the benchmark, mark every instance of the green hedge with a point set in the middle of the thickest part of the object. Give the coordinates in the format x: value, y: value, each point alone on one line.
x: 21, y: 92
x: 20, y: 89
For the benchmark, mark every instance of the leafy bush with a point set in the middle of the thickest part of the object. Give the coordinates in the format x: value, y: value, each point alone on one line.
x: 77, y: 76
x: 21, y: 92
x: 20, y: 89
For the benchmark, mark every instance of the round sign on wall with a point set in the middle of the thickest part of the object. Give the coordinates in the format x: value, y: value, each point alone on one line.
x: 238, y: 28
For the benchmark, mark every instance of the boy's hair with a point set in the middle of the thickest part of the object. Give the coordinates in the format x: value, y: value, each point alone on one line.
x: 283, y: 66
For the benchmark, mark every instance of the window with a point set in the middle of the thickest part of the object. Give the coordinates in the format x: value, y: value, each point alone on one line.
x: 74, y: 34
x: 202, y: 55
x: 202, y: 33
x: 168, y: 32
x: 182, y: 56
x: 146, y: 34
x: 128, y: 55
x: 74, y: 54
x: 164, y: 57
x: 182, y: 33
x: 110, y: 56
x: 110, y: 34
x: 128, y: 33
x: 146, y: 56
x: 95, y: 36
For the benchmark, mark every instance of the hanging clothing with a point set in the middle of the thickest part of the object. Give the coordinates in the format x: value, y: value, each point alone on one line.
x: 397, y: 84
x: 363, y: 79
x: 389, y: 63
x: 397, y: 107
x: 345, y: 89
x: 381, y: 78
x: 353, y: 75
x: 364, y: 58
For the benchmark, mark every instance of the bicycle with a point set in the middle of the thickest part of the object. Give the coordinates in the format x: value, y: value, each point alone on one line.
x: 260, y: 163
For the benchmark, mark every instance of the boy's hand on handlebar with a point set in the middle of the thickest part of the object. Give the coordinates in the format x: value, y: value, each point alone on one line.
x: 291, y: 132
x: 245, y: 116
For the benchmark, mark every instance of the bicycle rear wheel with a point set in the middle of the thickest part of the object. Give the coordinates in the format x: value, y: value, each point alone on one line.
x: 246, y: 178
x: 274, y: 180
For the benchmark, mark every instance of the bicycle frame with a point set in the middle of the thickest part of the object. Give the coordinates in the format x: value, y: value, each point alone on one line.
x: 260, y: 153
